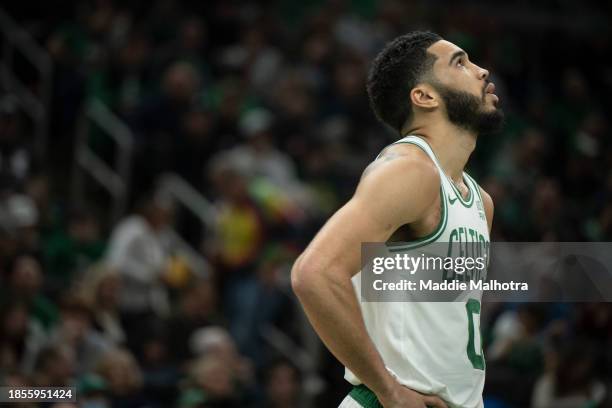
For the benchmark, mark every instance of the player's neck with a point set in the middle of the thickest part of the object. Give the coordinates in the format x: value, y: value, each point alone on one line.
x: 451, y: 144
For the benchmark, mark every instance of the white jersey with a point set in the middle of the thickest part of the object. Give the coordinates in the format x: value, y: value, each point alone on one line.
x: 435, y: 348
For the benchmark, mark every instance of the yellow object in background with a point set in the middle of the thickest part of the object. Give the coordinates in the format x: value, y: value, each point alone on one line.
x: 177, y: 273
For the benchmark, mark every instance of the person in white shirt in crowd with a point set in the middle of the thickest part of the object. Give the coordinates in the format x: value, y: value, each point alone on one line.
x: 137, y: 251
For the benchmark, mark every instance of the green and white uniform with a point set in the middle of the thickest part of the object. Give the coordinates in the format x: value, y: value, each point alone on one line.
x: 433, y: 348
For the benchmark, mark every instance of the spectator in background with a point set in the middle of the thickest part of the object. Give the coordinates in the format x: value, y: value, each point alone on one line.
x: 100, y: 288
x: 25, y: 284
x: 263, y: 305
x: 271, y: 173
x: 595, y: 320
x: 137, y: 252
x: 283, y: 385
x: 259, y: 61
x: 20, y: 217
x: 229, y: 97
x: 196, y: 144
x: 550, y: 218
x: 216, y: 342
x: 124, y: 380
x: 189, y: 46
x: 516, y: 355
x: 161, y: 373
x: 346, y: 97
x: 75, y: 331
x: 157, y: 122
x: 55, y: 367
x: 521, y: 164
x: 317, y: 52
x: 92, y: 391
x: 70, y: 251
x: 258, y: 156
x: 129, y: 78
x: 21, y: 339
x: 240, y: 228
x: 197, y: 309
x: 571, y: 108
x: 38, y: 188
x: 571, y: 380
x: 295, y: 105
x: 585, y: 171
x: 211, y: 385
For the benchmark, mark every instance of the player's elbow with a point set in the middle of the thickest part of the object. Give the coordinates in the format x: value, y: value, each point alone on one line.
x: 298, y: 277
x: 302, y: 277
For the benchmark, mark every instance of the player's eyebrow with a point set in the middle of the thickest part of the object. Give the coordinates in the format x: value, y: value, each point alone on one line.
x: 456, y: 55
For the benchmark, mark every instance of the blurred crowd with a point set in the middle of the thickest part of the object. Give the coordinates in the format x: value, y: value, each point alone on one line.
x: 261, y: 107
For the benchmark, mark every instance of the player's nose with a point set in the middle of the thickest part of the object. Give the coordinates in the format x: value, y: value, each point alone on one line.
x: 483, y: 73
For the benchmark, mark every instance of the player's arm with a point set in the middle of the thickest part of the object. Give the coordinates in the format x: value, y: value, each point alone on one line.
x: 394, y: 191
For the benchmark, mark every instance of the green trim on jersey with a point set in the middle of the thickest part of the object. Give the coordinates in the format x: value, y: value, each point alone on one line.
x: 466, y: 202
x: 419, y: 242
x: 472, y: 307
x: 476, y: 187
x: 365, y: 397
x: 443, y: 218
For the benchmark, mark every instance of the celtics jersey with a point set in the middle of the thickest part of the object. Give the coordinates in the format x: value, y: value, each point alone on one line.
x: 435, y: 347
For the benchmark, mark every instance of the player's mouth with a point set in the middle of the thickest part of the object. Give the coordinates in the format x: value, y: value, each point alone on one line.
x: 490, y: 90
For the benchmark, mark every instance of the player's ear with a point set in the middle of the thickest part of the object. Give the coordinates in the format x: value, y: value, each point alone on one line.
x: 424, y: 96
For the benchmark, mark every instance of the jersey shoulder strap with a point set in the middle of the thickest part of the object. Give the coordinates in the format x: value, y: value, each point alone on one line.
x: 418, y: 141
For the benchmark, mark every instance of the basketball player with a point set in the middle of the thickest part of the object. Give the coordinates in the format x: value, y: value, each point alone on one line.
x: 399, y: 354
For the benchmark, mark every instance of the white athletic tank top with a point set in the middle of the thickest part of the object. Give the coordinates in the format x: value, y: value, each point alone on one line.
x: 435, y: 347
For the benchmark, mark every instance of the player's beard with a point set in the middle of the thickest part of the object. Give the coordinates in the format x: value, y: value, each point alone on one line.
x: 467, y: 111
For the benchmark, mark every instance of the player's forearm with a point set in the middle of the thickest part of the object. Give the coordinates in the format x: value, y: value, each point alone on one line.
x: 331, y: 306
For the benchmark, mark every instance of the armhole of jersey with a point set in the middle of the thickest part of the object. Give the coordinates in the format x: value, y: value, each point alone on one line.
x: 443, y: 213
x: 476, y: 187
x: 466, y: 202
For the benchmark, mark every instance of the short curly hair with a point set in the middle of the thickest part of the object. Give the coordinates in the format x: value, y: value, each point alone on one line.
x: 395, y: 71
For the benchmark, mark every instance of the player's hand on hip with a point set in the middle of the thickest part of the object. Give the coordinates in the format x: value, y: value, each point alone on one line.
x: 404, y: 397
x: 434, y: 402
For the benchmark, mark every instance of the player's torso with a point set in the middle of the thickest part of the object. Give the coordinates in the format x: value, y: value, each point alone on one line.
x: 435, y: 347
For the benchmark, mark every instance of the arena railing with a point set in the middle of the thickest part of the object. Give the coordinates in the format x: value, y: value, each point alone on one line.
x: 116, y: 178
x: 34, y: 104
x: 179, y: 189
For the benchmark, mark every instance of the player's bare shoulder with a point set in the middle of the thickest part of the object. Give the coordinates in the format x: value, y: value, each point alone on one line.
x: 402, y: 180
x: 403, y: 161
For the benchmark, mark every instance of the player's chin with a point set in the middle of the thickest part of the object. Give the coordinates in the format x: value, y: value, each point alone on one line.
x: 491, y: 120
x: 492, y: 99
x: 491, y: 105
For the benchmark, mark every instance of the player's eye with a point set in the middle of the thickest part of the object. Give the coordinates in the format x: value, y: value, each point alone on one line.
x: 460, y: 62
